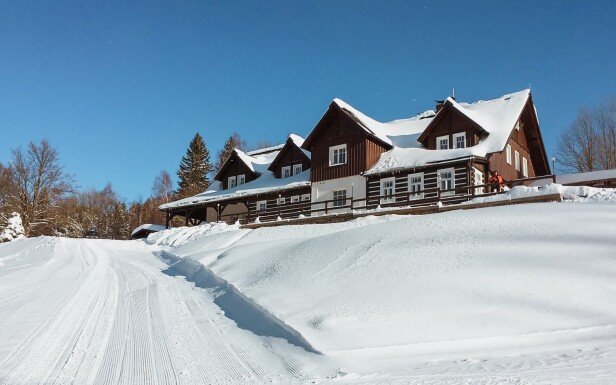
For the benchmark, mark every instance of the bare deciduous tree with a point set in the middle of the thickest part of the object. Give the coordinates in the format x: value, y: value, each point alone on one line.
x: 589, y: 144
x: 163, y: 187
x: 38, y: 182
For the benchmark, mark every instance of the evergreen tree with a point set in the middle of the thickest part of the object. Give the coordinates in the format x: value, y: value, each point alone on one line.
x: 194, y: 168
x: 234, y: 141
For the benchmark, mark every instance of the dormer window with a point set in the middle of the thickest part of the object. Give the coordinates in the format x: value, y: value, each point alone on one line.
x: 337, y: 155
x: 286, y: 172
x: 459, y: 140
x: 232, y: 182
x: 297, y: 169
x: 241, y: 179
x: 442, y: 142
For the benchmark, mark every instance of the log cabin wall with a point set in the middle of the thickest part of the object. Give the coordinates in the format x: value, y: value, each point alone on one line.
x: 360, y: 151
x: 288, y: 208
x: 291, y: 155
x: 430, y: 180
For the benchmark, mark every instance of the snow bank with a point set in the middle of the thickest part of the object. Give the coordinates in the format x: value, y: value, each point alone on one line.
x: 374, y: 286
x: 569, y: 193
x: 179, y: 236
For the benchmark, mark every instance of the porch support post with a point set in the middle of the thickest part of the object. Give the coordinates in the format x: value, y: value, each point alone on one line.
x: 167, y: 219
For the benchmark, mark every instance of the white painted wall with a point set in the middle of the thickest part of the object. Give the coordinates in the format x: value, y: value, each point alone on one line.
x: 355, y: 187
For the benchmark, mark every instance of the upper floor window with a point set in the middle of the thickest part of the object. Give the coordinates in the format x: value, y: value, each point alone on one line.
x: 387, y: 190
x: 517, y: 161
x: 286, y: 172
x: 459, y: 140
x: 232, y: 181
x: 442, y: 142
x: 337, y: 155
x: 241, y: 179
x: 508, y: 154
x: 297, y: 168
x: 415, y: 186
x: 517, y: 125
x: 524, y: 167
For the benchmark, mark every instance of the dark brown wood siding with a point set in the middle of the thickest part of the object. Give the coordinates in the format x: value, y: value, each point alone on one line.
x: 291, y: 155
x: 498, y: 161
x: 234, y: 167
x: 461, y: 175
x: 361, y: 152
x: 454, y: 122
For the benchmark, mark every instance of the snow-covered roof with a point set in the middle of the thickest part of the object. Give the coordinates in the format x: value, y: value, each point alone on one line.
x: 497, y: 117
x: 586, y: 177
x: 266, y: 182
x: 149, y: 227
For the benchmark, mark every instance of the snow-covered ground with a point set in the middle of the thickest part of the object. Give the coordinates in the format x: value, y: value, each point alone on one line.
x: 518, y: 294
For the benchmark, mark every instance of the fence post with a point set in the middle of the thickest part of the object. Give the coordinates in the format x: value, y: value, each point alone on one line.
x: 326, y: 207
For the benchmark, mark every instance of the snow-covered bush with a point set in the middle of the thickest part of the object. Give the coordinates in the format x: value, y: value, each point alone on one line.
x: 13, y: 230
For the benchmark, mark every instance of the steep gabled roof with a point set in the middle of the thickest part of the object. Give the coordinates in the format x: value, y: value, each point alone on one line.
x: 293, y: 141
x: 256, y: 164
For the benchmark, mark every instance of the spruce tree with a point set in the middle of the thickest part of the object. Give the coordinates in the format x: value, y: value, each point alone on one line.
x: 234, y: 141
x: 194, y: 168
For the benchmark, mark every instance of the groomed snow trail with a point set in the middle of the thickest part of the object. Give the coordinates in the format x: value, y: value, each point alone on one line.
x: 102, y: 312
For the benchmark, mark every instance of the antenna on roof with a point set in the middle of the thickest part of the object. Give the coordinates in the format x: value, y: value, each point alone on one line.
x: 453, y: 93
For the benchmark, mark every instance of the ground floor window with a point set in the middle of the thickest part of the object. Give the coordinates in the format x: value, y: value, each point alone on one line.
x: 306, y: 197
x: 295, y: 199
x: 416, y: 186
x: 446, y: 181
x: 281, y: 201
x: 339, y: 198
x: 388, y: 190
x: 478, y: 181
x: 261, y: 205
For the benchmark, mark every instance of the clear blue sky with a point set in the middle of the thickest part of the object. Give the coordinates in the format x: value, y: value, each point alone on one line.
x: 121, y: 87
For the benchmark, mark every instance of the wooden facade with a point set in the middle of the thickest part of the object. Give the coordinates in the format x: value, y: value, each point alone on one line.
x: 234, y: 166
x: 338, y: 127
x: 289, y: 156
x: 448, y: 122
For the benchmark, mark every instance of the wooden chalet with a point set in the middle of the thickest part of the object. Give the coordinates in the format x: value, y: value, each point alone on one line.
x: 351, y: 161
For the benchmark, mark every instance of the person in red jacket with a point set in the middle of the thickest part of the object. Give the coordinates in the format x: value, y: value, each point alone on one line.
x: 496, y: 182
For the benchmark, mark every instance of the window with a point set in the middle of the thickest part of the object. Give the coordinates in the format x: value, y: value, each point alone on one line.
x: 442, y: 142
x: 446, y: 181
x: 306, y: 197
x: 517, y: 161
x: 297, y: 169
x: 517, y: 125
x: 281, y: 201
x: 508, y: 154
x: 295, y: 199
x: 339, y: 198
x: 416, y: 186
x: 478, y: 181
x: 232, y: 182
x: 459, y: 140
x: 261, y: 205
x: 337, y: 155
x: 241, y: 179
x: 524, y: 167
x: 387, y: 190
x: 286, y: 171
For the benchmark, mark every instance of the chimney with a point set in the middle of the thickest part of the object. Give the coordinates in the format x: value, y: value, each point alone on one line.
x: 439, y: 105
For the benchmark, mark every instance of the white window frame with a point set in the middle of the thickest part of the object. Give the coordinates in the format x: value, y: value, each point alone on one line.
x: 517, y: 125
x: 517, y: 160
x: 297, y: 168
x: 479, y: 180
x: 295, y: 199
x: 231, y: 182
x: 412, y: 184
x: 387, y: 191
x: 452, y: 180
x: 508, y: 152
x: 340, y: 200
x: 261, y: 203
x: 336, y: 153
x: 306, y: 198
x: 524, y: 167
x: 286, y: 172
x: 438, y: 142
x: 281, y: 201
x: 241, y: 179
x: 455, y: 139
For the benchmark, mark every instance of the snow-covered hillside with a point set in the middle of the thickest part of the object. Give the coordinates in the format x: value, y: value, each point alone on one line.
x: 518, y: 294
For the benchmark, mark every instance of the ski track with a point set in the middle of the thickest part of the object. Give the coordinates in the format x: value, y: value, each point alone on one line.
x: 100, y: 312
